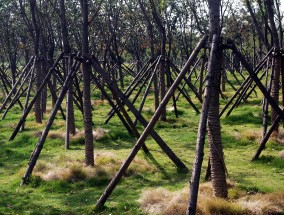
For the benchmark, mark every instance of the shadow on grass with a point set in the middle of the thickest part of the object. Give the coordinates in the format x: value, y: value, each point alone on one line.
x: 274, y: 162
x: 19, y: 203
x: 242, y: 118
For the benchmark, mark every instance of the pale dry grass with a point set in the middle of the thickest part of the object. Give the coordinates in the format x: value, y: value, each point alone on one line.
x: 271, y: 203
x: 156, y: 200
x: 63, y: 168
x: 171, y: 109
x: 139, y: 166
x: 281, y: 154
x: 250, y: 135
x: 98, y: 134
x: 164, y: 202
x: 278, y: 137
x: 70, y: 168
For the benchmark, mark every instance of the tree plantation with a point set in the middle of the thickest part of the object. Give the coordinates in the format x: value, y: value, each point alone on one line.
x: 141, y: 107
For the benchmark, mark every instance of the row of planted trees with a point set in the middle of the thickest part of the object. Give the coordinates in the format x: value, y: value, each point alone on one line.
x: 115, y: 32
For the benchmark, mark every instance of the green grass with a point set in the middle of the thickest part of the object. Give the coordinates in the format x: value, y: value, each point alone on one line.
x: 79, y: 197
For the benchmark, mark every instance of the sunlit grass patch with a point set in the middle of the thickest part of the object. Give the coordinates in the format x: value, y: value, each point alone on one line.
x: 73, y: 169
x: 271, y: 203
x: 164, y: 202
x: 281, y: 154
x: 220, y: 206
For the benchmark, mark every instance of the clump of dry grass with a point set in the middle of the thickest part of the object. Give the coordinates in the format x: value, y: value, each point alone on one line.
x: 222, y: 206
x: 163, y: 202
x: 154, y: 201
x: 139, y: 166
x: 38, y: 134
x: 56, y: 134
x: 73, y: 169
x: 281, y: 154
x: 98, y: 134
x: 271, y: 203
x: 252, y: 135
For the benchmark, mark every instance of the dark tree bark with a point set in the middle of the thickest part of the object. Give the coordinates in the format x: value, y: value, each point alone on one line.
x: 152, y: 46
x: 194, y: 185
x: 87, y: 106
x: 38, y: 75
x: 275, y: 87
x: 70, y: 118
x: 218, y: 173
x: 162, y: 31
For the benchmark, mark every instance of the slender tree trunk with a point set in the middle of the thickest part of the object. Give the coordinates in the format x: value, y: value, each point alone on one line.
x: 218, y: 173
x: 70, y: 118
x: 151, y: 39
x: 87, y: 106
x: 162, y: 32
x: 277, y: 62
x: 37, y: 106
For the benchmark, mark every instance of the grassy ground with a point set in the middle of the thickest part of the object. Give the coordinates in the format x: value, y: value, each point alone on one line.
x: 241, y: 132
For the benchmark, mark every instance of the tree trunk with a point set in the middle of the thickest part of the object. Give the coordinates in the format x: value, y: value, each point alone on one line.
x: 218, y: 174
x: 277, y: 62
x: 162, y: 32
x: 87, y: 106
x: 70, y: 118
x: 37, y: 106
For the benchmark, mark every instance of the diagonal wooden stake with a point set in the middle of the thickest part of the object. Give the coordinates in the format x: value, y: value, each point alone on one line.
x: 39, y: 145
x: 149, y: 127
x: 269, y: 98
x: 199, y: 151
x: 22, y: 120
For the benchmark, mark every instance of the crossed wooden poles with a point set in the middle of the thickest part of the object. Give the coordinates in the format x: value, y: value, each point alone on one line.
x: 265, y: 92
x: 118, y: 108
x: 119, y: 97
x: 146, y: 77
x: 121, y: 100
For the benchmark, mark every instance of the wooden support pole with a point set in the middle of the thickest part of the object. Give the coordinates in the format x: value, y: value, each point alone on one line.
x: 39, y: 145
x: 199, y: 151
x: 22, y: 119
x: 266, y: 137
x: 149, y: 127
x: 134, y: 84
x: 15, y: 85
x: 256, y: 70
x: 145, y: 95
x: 17, y: 93
x: 254, y: 77
x: 28, y: 97
x: 128, y: 120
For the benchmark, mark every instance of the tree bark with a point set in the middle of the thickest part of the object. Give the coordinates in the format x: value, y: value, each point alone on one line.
x: 37, y: 106
x: 87, y: 106
x: 275, y: 87
x: 218, y: 173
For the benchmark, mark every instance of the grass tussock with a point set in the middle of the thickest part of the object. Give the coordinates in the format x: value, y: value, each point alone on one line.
x: 164, y: 202
x: 221, y: 206
x: 281, y: 154
x: 252, y: 135
x: 280, y: 138
x: 139, y: 166
x: 271, y: 203
x: 72, y: 169
x: 98, y: 134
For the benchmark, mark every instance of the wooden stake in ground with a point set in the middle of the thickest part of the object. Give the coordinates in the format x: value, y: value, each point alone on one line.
x: 149, y: 127
x: 199, y: 153
x: 25, y: 114
x: 42, y: 139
